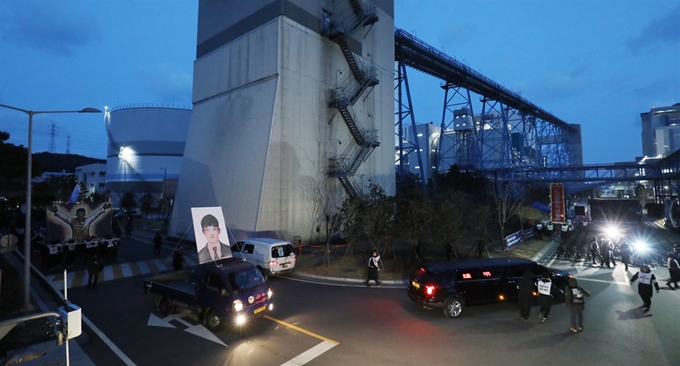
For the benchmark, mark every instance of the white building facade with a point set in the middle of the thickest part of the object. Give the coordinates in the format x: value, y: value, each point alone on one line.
x: 92, y: 177
x: 263, y: 136
x: 661, y: 131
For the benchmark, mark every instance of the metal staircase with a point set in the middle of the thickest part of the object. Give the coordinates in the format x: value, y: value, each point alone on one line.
x: 344, y: 22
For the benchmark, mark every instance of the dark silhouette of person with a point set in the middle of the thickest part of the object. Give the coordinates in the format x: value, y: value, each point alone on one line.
x: 525, y: 294
x: 80, y: 224
x: 94, y: 265
x: 546, y: 294
x: 373, y: 268
x: 178, y: 259
x: 214, y: 249
x: 157, y: 243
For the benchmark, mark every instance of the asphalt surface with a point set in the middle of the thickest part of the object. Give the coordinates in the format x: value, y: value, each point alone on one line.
x: 394, y: 331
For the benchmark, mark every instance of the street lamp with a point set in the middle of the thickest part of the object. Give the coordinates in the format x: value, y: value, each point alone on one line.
x: 27, y: 227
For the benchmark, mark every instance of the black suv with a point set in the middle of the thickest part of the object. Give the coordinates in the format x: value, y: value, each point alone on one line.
x: 453, y: 285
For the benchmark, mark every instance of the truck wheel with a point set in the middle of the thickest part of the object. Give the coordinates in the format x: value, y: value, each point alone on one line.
x: 165, y: 306
x: 212, y: 321
x: 453, y: 307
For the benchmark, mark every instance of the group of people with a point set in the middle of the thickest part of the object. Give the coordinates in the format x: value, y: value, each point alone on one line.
x: 606, y: 248
x: 573, y: 297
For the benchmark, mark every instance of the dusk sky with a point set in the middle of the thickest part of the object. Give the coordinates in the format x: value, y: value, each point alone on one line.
x: 598, y: 63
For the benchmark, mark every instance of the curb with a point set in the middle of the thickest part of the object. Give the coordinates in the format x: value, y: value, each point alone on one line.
x: 344, y: 281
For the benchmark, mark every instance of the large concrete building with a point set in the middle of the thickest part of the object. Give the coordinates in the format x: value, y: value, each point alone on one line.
x: 290, y: 100
x: 661, y: 131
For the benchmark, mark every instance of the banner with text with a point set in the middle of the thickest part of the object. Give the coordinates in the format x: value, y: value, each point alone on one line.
x: 557, y: 207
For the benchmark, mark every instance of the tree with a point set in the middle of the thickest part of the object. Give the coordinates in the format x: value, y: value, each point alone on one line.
x: 506, y: 202
x: 371, y: 220
x: 53, y: 189
x: 414, y: 221
x: 449, y: 224
x: 128, y: 202
x: 146, y: 202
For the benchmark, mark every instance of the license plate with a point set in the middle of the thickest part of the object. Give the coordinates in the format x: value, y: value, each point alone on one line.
x: 260, y: 309
x: 415, y: 285
x: 284, y: 265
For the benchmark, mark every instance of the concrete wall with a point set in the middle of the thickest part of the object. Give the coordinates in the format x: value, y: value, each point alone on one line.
x: 262, y: 134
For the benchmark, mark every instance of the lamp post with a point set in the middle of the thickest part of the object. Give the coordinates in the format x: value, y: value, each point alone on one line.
x: 165, y: 172
x: 27, y: 229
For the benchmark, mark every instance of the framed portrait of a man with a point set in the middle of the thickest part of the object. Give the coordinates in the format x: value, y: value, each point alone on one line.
x: 212, y: 241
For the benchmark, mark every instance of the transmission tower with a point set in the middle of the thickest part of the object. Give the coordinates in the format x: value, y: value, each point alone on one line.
x: 68, y: 144
x: 52, y: 148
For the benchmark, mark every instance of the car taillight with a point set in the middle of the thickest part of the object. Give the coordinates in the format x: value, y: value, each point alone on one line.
x: 429, y: 290
x: 294, y: 259
x: 273, y: 263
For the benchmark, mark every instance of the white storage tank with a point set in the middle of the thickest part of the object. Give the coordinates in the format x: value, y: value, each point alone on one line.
x: 145, y: 149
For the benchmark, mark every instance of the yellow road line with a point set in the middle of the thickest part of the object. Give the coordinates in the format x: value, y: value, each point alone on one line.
x: 294, y: 327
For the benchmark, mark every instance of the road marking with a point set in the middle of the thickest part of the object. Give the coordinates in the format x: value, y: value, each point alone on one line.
x: 311, y: 353
x: 108, y: 342
x: 197, y: 330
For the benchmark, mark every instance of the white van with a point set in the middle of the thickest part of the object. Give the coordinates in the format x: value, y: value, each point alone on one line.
x: 275, y: 256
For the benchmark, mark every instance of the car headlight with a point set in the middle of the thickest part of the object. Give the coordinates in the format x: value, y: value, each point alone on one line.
x: 238, y: 305
x: 270, y: 293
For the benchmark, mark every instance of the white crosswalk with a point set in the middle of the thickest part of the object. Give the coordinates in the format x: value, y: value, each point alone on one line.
x: 117, y: 271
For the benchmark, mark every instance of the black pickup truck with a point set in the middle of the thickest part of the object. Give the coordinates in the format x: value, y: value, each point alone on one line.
x: 229, y: 290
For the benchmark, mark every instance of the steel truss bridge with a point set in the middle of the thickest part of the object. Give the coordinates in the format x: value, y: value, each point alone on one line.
x: 509, y: 132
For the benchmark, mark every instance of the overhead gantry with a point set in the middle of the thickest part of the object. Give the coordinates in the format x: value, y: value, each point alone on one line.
x: 508, y: 131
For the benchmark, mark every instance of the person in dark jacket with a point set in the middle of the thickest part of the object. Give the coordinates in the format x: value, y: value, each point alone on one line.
x: 178, y: 259
x: 594, y: 249
x: 647, y: 281
x: 604, y: 253
x: 574, y: 297
x: 673, y: 271
x: 525, y: 294
x: 546, y: 293
x: 157, y: 243
x: 625, y: 250
x: 373, y: 268
x: 94, y: 265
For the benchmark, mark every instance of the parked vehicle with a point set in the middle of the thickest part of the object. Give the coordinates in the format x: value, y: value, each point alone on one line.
x: 274, y: 256
x: 453, y: 285
x: 226, y: 291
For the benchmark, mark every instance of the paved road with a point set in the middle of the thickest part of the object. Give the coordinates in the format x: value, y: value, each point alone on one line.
x: 348, y: 324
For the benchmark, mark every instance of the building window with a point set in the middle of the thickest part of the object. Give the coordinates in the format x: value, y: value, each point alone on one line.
x: 102, y: 185
x: 92, y: 185
x: 102, y: 174
x: 91, y: 174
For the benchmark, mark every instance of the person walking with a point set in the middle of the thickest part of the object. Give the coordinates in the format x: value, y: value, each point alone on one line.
x: 178, y: 258
x: 625, y: 250
x: 612, y: 251
x: 525, y: 294
x: 604, y: 254
x: 673, y: 271
x: 594, y: 249
x: 575, y: 300
x: 373, y: 268
x: 128, y: 227
x: 157, y: 243
x: 546, y: 293
x: 647, y: 281
x: 94, y: 265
